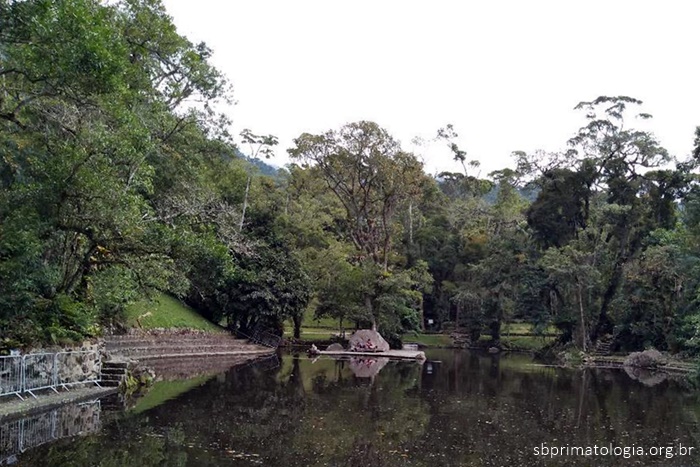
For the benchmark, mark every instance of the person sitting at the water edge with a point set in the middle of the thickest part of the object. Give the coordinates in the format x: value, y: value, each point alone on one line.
x: 358, y: 347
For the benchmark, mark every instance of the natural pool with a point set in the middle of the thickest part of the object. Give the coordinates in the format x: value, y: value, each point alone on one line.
x: 458, y: 409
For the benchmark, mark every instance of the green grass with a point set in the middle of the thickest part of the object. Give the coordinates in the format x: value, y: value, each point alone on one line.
x: 309, y: 321
x: 164, y: 311
x: 524, y: 329
x: 521, y: 343
x: 428, y: 340
x: 165, y: 390
x: 312, y: 334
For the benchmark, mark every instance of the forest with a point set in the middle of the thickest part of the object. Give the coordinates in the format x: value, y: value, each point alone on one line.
x: 120, y: 178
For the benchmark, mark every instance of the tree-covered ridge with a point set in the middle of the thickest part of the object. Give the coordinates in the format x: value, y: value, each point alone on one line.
x: 118, y: 178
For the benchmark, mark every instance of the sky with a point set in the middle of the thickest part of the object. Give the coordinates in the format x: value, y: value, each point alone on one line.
x: 506, y: 74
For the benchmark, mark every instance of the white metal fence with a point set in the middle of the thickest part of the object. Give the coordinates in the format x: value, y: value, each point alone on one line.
x: 39, y: 372
x: 10, y: 375
x: 33, y: 372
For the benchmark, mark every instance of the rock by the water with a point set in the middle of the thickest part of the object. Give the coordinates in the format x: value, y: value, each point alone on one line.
x: 335, y: 348
x: 494, y: 350
x: 366, y: 340
x: 648, y: 359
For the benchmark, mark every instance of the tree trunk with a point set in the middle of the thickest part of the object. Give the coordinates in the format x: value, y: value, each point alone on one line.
x: 245, y: 204
x: 604, y: 325
x: 370, y: 312
x: 583, y: 321
x: 422, y: 314
x: 297, y: 319
x: 410, y: 223
x: 495, y: 327
x: 459, y: 308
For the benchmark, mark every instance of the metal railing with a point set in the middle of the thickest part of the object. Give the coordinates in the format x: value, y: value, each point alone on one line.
x: 262, y: 336
x: 11, y: 375
x: 33, y: 372
x: 38, y: 372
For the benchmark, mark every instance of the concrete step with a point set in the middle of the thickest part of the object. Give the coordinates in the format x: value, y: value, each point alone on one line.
x: 113, y: 371
x: 208, y: 338
x: 157, y: 351
x: 200, y: 355
x: 110, y: 377
x: 178, y: 348
x: 142, y: 344
x: 110, y: 384
x: 115, y: 364
x: 193, y: 365
x: 175, y: 343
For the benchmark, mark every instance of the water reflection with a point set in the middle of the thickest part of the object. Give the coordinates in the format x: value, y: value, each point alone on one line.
x: 367, y: 367
x: 22, y: 434
x: 459, y: 409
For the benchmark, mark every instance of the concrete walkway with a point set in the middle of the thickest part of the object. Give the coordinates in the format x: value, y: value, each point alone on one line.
x: 13, y: 407
x: 399, y: 354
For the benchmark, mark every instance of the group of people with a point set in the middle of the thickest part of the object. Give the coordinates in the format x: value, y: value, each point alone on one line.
x: 364, y: 346
x: 360, y: 346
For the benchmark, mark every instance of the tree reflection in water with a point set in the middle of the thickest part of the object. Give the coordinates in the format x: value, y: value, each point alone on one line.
x: 463, y: 409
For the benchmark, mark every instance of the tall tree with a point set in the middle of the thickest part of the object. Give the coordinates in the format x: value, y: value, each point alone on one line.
x: 365, y: 168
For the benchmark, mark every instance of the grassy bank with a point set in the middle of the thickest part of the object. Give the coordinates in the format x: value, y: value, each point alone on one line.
x: 428, y: 340
x: 164, y: 311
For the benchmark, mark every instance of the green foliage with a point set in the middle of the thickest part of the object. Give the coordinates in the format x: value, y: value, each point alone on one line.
x: 112, y: 183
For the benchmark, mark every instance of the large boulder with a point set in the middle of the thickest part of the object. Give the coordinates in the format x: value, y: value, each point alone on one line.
x: 366, y: 340
x: 648, y: 359
x: 335, y: 347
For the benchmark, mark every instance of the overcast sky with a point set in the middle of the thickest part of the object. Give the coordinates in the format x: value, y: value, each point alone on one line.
x: 506, y: 74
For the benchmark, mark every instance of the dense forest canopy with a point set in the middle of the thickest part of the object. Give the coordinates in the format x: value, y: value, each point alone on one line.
x: 119, y: 178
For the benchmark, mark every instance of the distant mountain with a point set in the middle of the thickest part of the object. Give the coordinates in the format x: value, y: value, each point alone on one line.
x: 528, y: 192
x: 265, y: 169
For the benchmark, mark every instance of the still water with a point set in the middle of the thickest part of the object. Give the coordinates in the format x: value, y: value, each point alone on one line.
x: 457, y: 409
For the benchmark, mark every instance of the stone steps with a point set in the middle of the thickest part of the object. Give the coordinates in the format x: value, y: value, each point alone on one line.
x: 113, y: 373
x: 190, y: 366
x: 182, y: 338
x: 179, y: 354
x: 173, y: 342
x: 603, y: 347
x: 183, y: 349
x: 141, y: 346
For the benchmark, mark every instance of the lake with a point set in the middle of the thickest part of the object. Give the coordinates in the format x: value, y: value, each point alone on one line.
x: 460, y: 408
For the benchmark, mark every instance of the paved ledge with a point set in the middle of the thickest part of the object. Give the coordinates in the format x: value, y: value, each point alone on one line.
x: 242, y: 353
x: 12, y: 407
x: 399, y: 354
x: 616, y: 361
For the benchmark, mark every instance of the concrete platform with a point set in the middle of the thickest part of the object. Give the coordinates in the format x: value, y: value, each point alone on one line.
x: 397, y: 354
x: 13, y: 407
